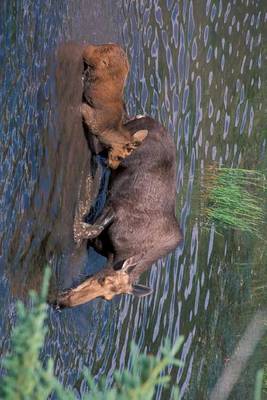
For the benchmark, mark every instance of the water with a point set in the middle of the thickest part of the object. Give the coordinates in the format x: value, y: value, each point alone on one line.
x: 198, y: 67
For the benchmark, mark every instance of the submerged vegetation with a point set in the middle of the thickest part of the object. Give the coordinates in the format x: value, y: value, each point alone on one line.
x: 234, y: 197
x: 26, y: 378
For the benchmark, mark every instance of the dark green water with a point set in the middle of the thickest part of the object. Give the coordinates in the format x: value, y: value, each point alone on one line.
x: 200, y: 68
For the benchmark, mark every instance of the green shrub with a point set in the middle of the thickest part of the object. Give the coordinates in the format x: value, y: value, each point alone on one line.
x: 27, y: 379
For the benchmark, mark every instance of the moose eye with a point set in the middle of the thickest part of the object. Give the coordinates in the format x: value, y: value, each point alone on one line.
x: 101, y: 281
x: 118, y: 158
x: 130, y: 269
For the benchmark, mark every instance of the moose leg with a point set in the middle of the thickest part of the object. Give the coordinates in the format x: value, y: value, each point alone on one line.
x: 87, y: 231
x: 97, y: 122
x: 106, y: 218
x: 82, y: 230
x: 90, y: 117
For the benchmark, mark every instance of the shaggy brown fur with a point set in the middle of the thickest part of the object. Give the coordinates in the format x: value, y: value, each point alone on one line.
x: 138, y: 224
x: 106, y: 70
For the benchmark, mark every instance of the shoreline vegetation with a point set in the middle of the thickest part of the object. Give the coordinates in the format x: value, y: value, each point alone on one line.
x: 26, y: 378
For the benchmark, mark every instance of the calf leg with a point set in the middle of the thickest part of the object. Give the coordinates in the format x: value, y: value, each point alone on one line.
x: 97, y: 121
x: 90, y: 117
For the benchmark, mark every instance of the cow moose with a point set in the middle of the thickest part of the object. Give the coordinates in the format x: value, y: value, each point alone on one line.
x: 138, y: 224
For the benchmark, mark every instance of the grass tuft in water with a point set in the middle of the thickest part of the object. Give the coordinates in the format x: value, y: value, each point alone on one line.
x: 234, y: 197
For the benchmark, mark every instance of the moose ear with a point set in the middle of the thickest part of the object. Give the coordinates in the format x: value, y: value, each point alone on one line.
x: 130, y: 263
x: 139, y: 136
x: 141, y: 290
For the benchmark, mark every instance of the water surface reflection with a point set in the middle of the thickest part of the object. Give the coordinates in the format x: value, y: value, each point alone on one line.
x: 198, y: 67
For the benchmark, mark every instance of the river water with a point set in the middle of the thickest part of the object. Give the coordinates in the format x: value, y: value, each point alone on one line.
x: 200, y: 68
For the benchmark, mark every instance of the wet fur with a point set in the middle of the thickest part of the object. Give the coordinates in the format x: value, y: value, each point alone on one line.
x: 106, y: 70
x: 141, y: 206
x: 142, y: 198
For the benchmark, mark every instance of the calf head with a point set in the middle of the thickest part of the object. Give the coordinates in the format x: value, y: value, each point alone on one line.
x: 107, y: 63
x: 119, y: 151
x: 105, y: 284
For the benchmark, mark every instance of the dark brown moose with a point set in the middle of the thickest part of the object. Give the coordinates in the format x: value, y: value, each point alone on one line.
x: 106, y: 70
x: 138, y: 224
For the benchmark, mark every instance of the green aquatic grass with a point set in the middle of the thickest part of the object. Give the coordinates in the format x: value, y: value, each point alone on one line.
x: 234, y: 198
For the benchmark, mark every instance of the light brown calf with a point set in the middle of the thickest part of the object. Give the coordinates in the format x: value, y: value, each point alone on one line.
x: 106, y: 70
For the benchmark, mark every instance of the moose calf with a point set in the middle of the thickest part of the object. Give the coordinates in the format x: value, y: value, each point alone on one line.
x: 106, y: 70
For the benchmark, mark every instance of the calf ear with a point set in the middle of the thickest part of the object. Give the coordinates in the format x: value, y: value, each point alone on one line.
x: 139, y: 136
x: 141, y: 290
